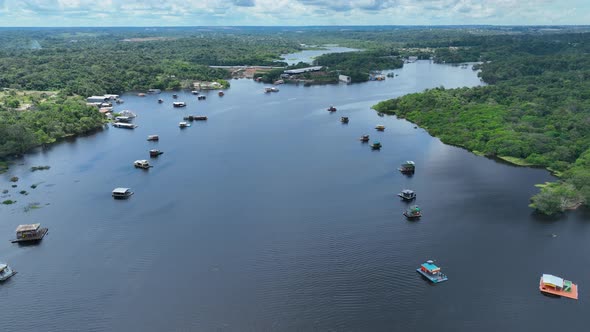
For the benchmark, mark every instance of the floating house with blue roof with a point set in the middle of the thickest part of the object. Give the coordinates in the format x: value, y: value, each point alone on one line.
x: 432, y: 272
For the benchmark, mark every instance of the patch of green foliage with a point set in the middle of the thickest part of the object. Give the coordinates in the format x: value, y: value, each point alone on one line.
x: 358, y: 65
x: 537, y: 110
x: 48, y: 121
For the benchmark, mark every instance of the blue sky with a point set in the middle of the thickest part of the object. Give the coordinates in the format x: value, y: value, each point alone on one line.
x: 290, y: 12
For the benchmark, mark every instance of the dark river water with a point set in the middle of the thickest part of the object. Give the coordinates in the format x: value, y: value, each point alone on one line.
x: 272, y: 216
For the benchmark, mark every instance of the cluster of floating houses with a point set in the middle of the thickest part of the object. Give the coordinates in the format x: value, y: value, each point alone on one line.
x: 548, y: 284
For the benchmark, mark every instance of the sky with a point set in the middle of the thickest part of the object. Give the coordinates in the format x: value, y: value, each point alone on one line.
x: 50, y: 13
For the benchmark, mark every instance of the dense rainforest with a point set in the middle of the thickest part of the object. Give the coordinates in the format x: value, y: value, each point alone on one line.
x: 535, y: 112
x: 50, y: 117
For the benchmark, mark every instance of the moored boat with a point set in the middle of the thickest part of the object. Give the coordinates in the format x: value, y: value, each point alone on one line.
x: 380, y: 127
x: 179, y: 104
x: 128, y: 114
x: 553, y: 285
x: 29, y: 233
x: 344, y: 119
x: 160, y: 101
x: 124, y: 125
x: 364, y: 138
x: 125, y: 119
x: 141, y: 94
x: 183, y: 124
x: 153, y: 138
x: 155, y: 153
x: 331, y: 109
x: 121, y: 193
x: 201, y: 97
x: 407, y: 195
x: 376, y: 145
x: 142, y: 164
x: 220, y: 93
x: 5, y: 272
x: 174, y: 96
x: 407, y: 167
x: 432, y: 272
x: 413, y: 212
x: 271, y: 89
x: 195, y: 92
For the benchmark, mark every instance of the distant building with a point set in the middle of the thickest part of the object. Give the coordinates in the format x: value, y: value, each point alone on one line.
x: 344, y: 78
x: 302, y: 70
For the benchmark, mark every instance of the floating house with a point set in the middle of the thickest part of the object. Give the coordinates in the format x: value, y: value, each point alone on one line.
x: 30, y: 233
x: 364, y: 138
x: 122, y: 193
x: 380, y: 127
x: 5, y: 272
x: 413, y: 212
x: 408, y: 167
x: 179, y: 104
x: 376, y: 145
x: 153, y: 138
x: 344, y: 79
x: 124, y: 125
x: 407, y: 195
x: 183, y: 124
x: 302, y: 70
x: 432, y: 272
x: 155, y: 153
x: 142, y: 164
x: 556, y: 286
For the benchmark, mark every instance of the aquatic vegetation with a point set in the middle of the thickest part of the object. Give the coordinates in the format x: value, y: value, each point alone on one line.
x: 8, y: 202
x: 23, y: 192
x: 14, y: 179
x: 32, y: 206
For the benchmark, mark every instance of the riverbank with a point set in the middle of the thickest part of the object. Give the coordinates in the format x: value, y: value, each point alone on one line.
x: 466, y: 118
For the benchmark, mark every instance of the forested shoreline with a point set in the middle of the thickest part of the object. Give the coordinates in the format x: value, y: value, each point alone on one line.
x: 535, y: 112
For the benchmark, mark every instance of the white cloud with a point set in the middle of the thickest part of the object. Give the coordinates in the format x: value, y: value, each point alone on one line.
x: 291, y: 12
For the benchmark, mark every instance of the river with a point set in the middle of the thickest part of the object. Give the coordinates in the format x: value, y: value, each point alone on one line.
x: 272, y: 216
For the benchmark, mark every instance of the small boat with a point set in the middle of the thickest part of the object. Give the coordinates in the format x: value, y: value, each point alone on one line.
x: 154, y: 91
x: 153, y: 138
x: 407, y: 167
x: 364, y: 138
x: 556, y: 286
x: 407, y: 195
x: 195, y: 118
x: 122, y: 193
x: 124, y: 125
x: 331, y: 109
x: 201, y: 97
x: 160, y: 101
x: 155, y: 153
x: 119, y: 101
x: 183, y: 124
x: 141, y: 94
x: 344, y: 119
x: 220, y: 93
x: 271, y: 89
x: 380, y: 127
x: 195, y: 92
x: 128, y: 114
x: 413, y: 212
x: 142, y: 164
x: 30, y: 233
x: 125, y: 119
x: 174, y: 96
x: 432, y: 272
x: 5, y: 272
x: 376, y: 145
x: 179, y: 104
